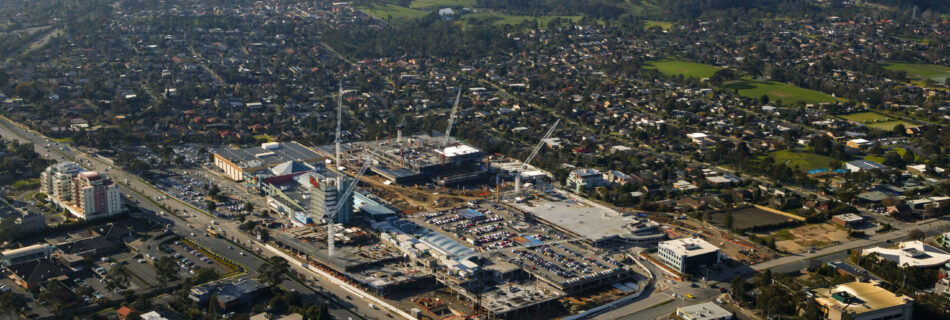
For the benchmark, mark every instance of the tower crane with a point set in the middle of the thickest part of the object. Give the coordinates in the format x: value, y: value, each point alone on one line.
x: 534, y: 153
x: 448, y: 130
x: 339, y: 120
x: 341, y: 201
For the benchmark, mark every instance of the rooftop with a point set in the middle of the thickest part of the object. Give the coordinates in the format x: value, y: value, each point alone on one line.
x: 912, y: 253
x: 859, y: 297
x: 593, y: 222
x: 268, y: 154
x: 689, y: 246
x: 707, y: 310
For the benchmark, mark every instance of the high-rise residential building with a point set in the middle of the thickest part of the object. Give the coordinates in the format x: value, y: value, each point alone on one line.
x: 94, y: 196
x: 57, y: 182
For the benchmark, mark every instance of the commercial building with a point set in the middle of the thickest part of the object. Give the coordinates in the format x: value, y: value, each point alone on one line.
x: 229, y: 292
x: 863, y: 301
x: 31, y: 274
x: 238, y: 164
x: 848, y: 220
x: 703, y: 311
x: 94, y: 196
x: 57, y: 182
x: 688, y: 255
x: 911, y: 254
x: 28, y: 253
x: 859, y: 165
x: 581, y: 179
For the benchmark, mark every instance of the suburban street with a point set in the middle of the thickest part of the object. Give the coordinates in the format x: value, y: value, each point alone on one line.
x: 145, y: 195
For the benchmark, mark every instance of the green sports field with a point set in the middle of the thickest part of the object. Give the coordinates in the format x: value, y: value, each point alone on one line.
x: 921, y: 71
x: 805, y: 161
x: 866, y: 117
x: 503, y: 19
x: 674, y: 67
x: 396, y: 12
x: 778, y: 91
x: 442, y: 3
x: 662, y: 24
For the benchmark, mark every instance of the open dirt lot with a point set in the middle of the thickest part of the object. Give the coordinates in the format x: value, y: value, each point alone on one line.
x: 818, y: 235
x: 748, y: 218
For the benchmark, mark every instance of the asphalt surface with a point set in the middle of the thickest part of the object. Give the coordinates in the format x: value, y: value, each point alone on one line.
x: 144, y: 194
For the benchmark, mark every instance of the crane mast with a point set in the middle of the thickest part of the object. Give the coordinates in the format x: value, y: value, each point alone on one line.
x: 448, y: 130
x: 534, y: 153
x: 339, y: 120
x: 340, y: 202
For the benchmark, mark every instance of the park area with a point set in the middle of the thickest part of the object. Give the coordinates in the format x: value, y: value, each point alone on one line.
x: 748, y: 217
x: 876, y: 120
x: 801, y: 239
x: 776, y: 91
x: 804, y: 161
x: 674, y: 67
x: 921, y: 71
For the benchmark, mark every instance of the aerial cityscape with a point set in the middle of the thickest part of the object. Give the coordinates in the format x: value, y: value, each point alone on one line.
x: 475, y: 159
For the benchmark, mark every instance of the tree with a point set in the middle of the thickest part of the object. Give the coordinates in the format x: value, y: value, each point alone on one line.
x: 899, y: 129
x: 165, y: 271
x: 12, y: 304
x: 211, y: 205
x: 893, y: 159
x: 916, y: 234
x: 119, y: 277
x: 729, y: 220
x: 909, y: 157
x: 273, y: 271
x: 205, y: 275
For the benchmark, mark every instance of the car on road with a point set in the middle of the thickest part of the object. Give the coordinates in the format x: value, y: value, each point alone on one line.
x: 690, y: 295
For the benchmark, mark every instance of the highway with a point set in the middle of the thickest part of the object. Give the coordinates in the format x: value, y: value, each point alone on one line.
x: 191, y: 220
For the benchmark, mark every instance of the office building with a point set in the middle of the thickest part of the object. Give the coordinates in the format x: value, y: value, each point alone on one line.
x: 911, y: 254
x: 28, y: 253
x: 688, y: 255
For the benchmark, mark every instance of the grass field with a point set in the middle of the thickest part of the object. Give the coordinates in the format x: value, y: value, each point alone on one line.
x: 889, y: 125
x: 876, y: 120
x: 778, y: 91
x: 805, y: 161
x: 263, y: 137
x: 503, y: 19
x: 662, y: 24
x: 442, y: 3
x: 674, y: 67
x: 396, y: 12
x: 63, y: 140
x: 921, y: 71
x: 866, y: 117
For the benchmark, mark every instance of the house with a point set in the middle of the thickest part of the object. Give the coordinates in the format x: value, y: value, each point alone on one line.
x: 617, y: 177
x: 857, y: 143
x: 899, y: 210
x: 125, y: 312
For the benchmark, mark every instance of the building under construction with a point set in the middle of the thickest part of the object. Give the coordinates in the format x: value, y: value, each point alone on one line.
x: 419, y: 158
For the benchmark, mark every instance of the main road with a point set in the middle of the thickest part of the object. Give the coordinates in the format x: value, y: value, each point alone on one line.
x: 191, y: 219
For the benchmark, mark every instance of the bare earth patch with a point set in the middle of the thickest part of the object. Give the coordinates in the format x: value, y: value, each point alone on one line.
x: 818, y: 235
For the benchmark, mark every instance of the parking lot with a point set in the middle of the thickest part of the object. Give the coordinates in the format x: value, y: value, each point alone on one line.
x: 189, y: 259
